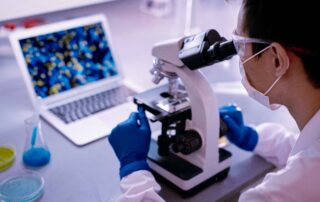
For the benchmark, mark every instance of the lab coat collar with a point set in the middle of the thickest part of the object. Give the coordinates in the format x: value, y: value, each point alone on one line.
x: 308, y: 135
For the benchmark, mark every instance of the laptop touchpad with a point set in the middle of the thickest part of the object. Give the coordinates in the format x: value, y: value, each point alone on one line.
x: 113, y: 116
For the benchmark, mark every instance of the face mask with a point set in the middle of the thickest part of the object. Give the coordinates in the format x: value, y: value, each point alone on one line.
x: 262, y: 98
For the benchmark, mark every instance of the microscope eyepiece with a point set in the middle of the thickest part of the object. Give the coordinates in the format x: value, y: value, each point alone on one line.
x: 220, y: 51
x: 205, y: 49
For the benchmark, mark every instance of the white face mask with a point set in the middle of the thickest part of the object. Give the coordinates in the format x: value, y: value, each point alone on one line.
x: 262, y: 98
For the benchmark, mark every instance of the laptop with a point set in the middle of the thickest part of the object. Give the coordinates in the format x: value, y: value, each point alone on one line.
x: 73, y: 67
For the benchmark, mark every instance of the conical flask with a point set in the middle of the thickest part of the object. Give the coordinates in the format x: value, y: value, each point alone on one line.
x: 36, y: 152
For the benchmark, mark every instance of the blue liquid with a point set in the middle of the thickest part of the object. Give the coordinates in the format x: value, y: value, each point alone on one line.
x: 36, y: 156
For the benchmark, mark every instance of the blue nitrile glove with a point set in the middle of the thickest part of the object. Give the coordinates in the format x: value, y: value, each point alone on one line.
x: 241, y: 135
x: 130, y: 141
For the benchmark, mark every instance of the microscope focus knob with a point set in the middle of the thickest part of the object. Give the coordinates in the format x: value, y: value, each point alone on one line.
x: 187, y: 143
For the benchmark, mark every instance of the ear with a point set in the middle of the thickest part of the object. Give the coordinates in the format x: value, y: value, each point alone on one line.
x: 281, y: 59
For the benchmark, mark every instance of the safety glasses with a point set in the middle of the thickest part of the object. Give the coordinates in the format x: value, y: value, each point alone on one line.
x: 241, y: 42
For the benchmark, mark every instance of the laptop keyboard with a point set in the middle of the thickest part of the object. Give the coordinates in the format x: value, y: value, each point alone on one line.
x: 90, y: 105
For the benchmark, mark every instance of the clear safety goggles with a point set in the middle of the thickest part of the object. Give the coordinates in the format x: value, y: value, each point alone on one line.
x: 240, y: 43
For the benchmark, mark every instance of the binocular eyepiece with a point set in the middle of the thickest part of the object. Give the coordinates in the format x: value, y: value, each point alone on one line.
x: 205, y: 49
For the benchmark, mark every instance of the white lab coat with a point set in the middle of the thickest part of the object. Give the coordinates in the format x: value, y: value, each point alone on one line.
x: 297, y: 157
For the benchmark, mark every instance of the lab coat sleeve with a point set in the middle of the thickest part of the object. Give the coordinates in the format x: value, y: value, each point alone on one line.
x: 274, y: 143
x: 140, y: 186
x: 297, y: 181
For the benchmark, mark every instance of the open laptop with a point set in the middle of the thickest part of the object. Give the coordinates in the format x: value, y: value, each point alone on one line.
x: 72, y: 66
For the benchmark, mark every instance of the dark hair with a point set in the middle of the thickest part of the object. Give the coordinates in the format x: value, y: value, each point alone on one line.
x: 290, y: 23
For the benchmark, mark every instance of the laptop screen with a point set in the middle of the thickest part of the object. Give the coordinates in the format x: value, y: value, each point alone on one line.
x: 63, y: 60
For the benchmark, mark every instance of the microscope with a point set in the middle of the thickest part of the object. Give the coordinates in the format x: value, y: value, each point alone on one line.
x: 186, y: 153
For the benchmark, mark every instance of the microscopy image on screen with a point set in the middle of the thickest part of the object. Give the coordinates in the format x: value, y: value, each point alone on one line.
x: 66, y: 59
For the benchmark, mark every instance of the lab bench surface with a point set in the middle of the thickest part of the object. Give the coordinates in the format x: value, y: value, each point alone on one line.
x: 90, y: 173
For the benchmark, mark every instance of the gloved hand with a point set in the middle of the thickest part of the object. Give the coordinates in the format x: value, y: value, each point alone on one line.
x: 130, y: 141
x: 241, y: 135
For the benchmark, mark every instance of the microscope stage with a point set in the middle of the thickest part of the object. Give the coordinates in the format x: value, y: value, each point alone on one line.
x: 157, y: 101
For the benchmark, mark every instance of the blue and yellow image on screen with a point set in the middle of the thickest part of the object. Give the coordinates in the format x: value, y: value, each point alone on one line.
x: 66, y: 59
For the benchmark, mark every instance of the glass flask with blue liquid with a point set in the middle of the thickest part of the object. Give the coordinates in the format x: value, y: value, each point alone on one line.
x: 36, y: 152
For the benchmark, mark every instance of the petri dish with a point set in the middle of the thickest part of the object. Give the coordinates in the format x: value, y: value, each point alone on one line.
x: 7, y: 157
x: 26, y: 187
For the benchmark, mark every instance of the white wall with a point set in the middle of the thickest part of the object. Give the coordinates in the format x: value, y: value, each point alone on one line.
x: 12, y: 9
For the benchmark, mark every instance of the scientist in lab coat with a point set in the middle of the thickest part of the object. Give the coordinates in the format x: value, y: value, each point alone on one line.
x: 279, y: 53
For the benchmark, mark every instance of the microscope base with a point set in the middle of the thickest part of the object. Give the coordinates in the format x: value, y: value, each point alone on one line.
x: 184, y: 170
x: 186, y: 194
